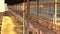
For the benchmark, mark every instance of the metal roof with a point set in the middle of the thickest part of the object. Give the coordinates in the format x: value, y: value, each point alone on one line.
x: 12, y: 2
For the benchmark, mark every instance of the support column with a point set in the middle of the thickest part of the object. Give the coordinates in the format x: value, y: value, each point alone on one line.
x: 55, y: 16
x: 1, y: 15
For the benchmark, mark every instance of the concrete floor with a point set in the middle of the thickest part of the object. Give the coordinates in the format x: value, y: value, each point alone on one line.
x: 8, y: 26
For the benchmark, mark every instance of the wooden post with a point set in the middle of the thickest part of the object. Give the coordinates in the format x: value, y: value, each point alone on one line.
x: 27, y: 14
x: 55, y: 16
x: 24, y: 17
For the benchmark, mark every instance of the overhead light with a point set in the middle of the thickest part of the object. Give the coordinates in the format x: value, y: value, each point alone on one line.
x: 41, y: 6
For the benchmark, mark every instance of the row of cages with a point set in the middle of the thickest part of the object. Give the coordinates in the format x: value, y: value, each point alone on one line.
x: 44, y: 9
x: 45, y: 12
x: 40, y: 9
